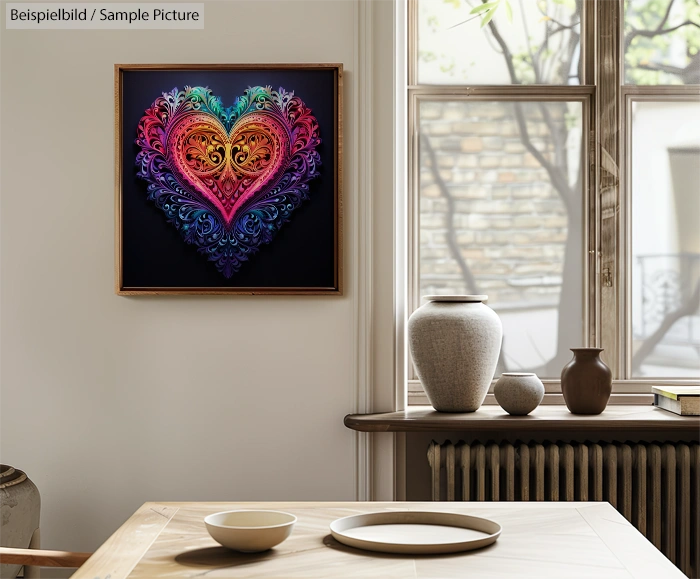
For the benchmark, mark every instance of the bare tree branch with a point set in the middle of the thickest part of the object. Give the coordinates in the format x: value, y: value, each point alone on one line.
x: 552, y: 19
x: 558, y: 139
x: 573, y: 42
x: 558, y: 179
x: 660, y: 67
x: 659, y: 30
x: 467, y: 274
x: 653, y: 33
x: 681, y: 25
x: 488, y: 38
x: 464, y: 21
x: 535, y: 63
x: 558, y: 171
x: 507, y: 54
x: 666, y: 15
x: 647, y: 347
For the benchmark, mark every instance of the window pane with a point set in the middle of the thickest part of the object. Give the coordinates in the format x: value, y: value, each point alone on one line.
x: 666, y: 239
x: 501, y: 214
x: 662, y: 39
x: 535, y: 42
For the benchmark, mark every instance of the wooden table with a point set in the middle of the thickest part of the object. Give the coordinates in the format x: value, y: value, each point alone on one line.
x: 539, y: 540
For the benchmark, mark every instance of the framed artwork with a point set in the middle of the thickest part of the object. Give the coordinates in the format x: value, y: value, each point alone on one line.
x: 228, y: 179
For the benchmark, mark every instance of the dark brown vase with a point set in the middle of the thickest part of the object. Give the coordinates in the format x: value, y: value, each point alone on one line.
x: 586, y: 382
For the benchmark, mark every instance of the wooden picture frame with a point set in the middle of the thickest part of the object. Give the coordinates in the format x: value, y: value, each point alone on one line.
x: 209, y: 185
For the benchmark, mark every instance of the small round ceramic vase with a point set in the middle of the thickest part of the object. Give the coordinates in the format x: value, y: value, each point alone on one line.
x: 518, y: 393
x: 454, y: 343
x: 20, y: 504
x: 586, y: 382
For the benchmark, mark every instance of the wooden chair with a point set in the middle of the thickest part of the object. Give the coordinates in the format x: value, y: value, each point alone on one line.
x: 42, y: 557
x: 32, y: 558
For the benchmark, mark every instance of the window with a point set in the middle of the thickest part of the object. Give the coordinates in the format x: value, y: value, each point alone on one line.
x: 555, y: 166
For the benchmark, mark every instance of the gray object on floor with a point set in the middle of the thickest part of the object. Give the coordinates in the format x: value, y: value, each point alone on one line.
x: 20, y: 505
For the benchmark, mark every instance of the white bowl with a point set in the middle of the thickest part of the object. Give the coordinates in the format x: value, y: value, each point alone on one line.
x: 250, y: 531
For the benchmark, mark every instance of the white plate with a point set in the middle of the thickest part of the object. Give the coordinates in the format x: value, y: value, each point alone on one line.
x: 415, y: 532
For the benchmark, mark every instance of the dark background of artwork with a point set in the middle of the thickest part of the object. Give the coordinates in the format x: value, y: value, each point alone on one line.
x: 302, y: 254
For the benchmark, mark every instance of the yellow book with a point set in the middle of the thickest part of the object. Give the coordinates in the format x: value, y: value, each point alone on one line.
x: 683, y: 400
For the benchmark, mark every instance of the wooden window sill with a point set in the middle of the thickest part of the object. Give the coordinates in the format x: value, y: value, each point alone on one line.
x: 616, y: 419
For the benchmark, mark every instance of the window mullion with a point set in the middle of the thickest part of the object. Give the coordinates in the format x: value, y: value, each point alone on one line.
x: 609, y: 272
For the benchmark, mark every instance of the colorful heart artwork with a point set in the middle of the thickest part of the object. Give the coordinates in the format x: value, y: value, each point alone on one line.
x: 228, y: 178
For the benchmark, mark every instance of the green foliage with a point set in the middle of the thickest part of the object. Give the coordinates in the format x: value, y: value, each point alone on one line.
x: 447, y: 68
x: 653, y: 54
x: 649, y: 58
x: 488, y: 11
x: 509, y: 11
x: 524, y: 71
x: 427, y: 56
x: 571, y: 120
x: 555, y: 13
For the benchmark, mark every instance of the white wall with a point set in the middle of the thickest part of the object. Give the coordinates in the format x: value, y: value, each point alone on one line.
x: 383, y: 377
x: 110, y: 401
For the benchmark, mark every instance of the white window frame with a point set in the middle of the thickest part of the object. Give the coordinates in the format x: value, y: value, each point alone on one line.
x: 607, y: 197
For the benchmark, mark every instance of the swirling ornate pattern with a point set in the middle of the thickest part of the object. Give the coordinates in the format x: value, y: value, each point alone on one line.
x: 228, y: 178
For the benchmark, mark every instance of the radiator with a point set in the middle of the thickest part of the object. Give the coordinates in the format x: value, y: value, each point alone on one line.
x: 655, y: 486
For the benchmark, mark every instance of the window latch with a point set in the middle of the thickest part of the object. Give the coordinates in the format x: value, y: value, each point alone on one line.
x: 607, y: 277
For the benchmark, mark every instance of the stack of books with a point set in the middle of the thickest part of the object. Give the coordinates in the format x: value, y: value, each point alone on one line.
x: 683, y: 400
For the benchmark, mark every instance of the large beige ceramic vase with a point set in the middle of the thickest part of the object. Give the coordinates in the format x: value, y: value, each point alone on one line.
x: 20, y: 505
x: 454, y: 342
